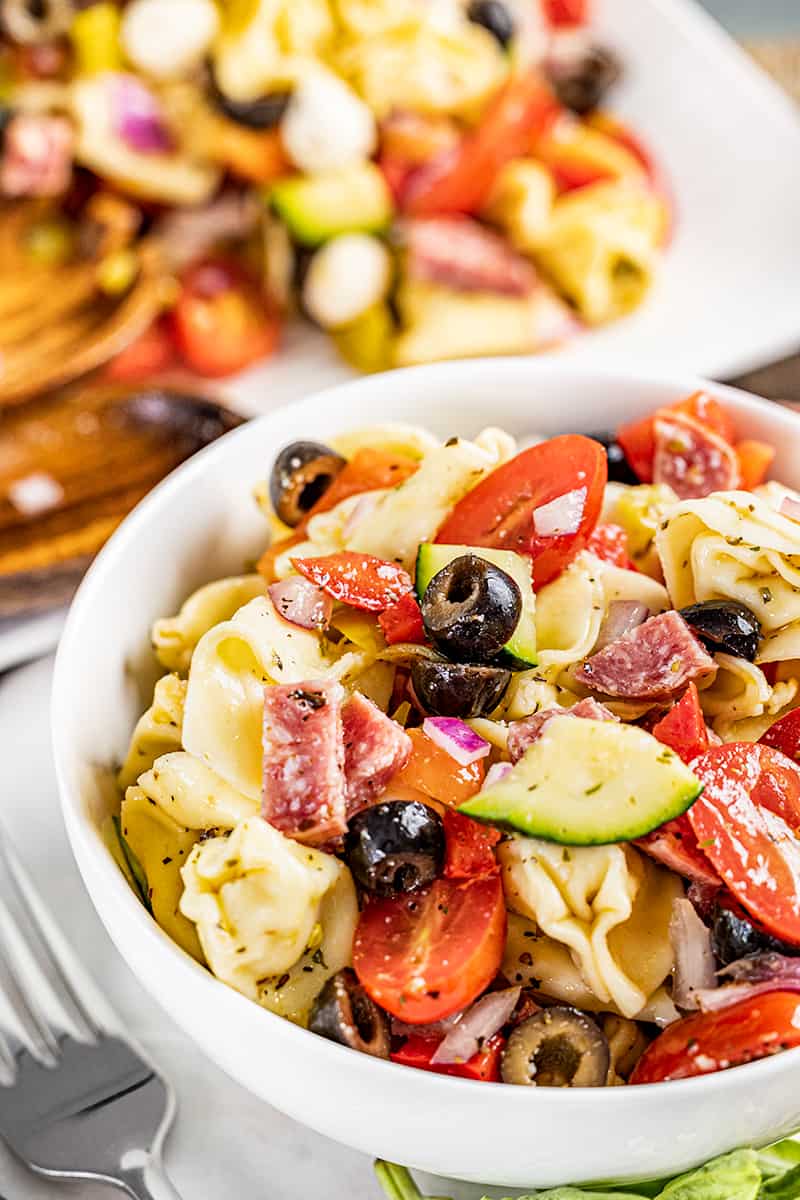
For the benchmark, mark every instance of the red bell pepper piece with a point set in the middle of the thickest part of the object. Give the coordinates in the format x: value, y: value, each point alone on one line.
x: 468, y: 847
x: 683, y: 729
x: 755, y: 459
x: 360, y: 580
x: 485, y: 1065
x: 403, y: 621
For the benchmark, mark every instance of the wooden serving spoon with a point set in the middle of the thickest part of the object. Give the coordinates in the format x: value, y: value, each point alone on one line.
x: 72, y: 465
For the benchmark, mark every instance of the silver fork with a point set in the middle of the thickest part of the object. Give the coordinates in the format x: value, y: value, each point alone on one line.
x: 77, y: 1100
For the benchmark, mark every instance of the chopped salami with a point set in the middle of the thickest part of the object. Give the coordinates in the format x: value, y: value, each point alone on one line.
x: 675, y: 845
x: 304, y: 784
x: 658, y: 658
x: 462, y: 254
x: 375, y: 749
x: 37, y: 155
x: 691, y: 458
x: 522, y: 734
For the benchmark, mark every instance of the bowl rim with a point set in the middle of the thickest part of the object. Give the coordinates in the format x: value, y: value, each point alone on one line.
x: 85, y: 838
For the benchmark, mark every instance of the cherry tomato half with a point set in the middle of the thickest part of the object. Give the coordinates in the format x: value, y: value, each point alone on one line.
x: 484, y: 1066
x: 460, y: 180
x: 708, y: 1042
x: 431, y: 770
x: 220, y: 323
x: 565, y: 13
x: 784, y: 735
x: 499, y: 512
x: 148, y: 354
x: 426, y: 955
x: 469, y: 847
x: 360, y: 580
x: 402, y: 622
x: 746, y: 822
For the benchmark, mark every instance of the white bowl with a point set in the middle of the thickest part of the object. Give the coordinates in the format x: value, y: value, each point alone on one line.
x: 201, y: 523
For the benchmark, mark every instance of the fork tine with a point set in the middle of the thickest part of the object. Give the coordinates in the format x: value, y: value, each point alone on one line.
x: 42, y: 938
x: 25, y: 1009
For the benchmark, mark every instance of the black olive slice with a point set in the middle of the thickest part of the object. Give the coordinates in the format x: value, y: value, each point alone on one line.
x: 470, y: 609
x: 302, y: 473
x: 458, y: 689
x: 344, y: 1013
x: 581, y: 83
x: 619, y: 469
x: 557, y: 1047
x: 263, y: 113
x: 725, y: 625
x: 494, y: 16
x: 734, y: 937
x: 394, y: 847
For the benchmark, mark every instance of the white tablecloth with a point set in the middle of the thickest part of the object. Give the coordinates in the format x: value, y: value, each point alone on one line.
x: 225, y: 1144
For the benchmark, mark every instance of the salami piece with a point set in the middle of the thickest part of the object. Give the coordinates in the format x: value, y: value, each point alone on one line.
x: 675, y: 845
x: 691, y: 458
x: 375, y: 749
x: 462, y: 254
x: 658, y: 658
x: 522, y: 734
x: 304, y: 786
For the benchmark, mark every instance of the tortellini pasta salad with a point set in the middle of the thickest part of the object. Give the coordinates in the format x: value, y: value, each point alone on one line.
x: 489, y: 765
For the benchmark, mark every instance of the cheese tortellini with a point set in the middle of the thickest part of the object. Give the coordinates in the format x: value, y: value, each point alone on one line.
x: 192, y: 795
x: 608, y: 905
x: 157, y: 731
x: 255, y: 898
x: 736, y: 546
x: 601, y: 247
x: 174, y: 638
x: 231, y: 666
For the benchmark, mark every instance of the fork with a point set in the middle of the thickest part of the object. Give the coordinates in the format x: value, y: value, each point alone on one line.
x: 77, y: 1100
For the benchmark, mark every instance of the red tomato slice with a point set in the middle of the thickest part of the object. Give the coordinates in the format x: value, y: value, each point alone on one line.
x: 755, y: 459
x: 499, y: 511
x: 784, y: 735
x: 403, y: 622
x: 484, y: 1066
x: 360, y: 580
x: 746, y: 822
x: 610, y: 542
x: 148, y: 354
x: 220, y: 323
x: 470, y: 846
x: 428, y: 954
x: 431, y: 770
x: 460, y: 180
x: 560, y: 13
x: 638, y: 439
x: 714, y: 1041
x: 684, y: 729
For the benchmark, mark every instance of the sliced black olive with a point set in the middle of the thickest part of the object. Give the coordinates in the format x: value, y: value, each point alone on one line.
x: 458, y: 689
x: 495, y: 17
x: 734, y: 937
x: 619, y: 469
x: 303, y: 472
x: 557, y: 1047
x: 263, y: 113
x: 725, y: 625
x: 581, y: 83
x: 344, y: 1013
x: 470, y: 609
x: 394, y: 847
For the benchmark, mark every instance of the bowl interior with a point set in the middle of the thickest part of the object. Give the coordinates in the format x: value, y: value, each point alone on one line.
x: 202, y: 523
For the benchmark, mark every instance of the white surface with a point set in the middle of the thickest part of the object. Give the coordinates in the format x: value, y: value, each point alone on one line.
x: 225, y: 1143
x: 199, y: 524
x: 728, y: 297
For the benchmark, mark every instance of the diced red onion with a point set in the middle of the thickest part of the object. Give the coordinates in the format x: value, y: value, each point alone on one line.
x: 790, y: 508
x: 138, y: 119
x: 456, y: 738
x: 694, y: 958
x: 478, y: 1024
x: 562, y: 515
x: 300, y: 602
x: 751, y: 977
x: 623, y: 617
x: 361, y: 509
x: 496, y: 772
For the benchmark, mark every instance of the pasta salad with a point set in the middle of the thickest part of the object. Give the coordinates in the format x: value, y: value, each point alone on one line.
x: 490, y: 767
